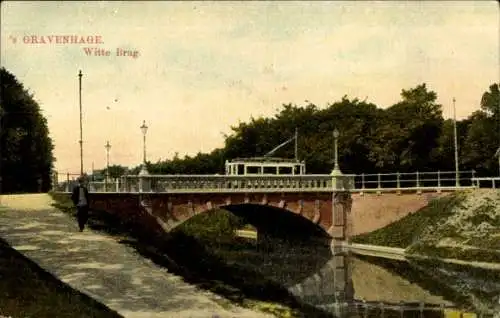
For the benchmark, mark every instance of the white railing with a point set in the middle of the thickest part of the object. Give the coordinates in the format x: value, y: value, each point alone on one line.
x: 103, y: 186
x: 434, y: 179
x: 487, y: 182
x: 223, y: 183
x: 93, y: 186
x: 414, y: 181
x: 382, y: 182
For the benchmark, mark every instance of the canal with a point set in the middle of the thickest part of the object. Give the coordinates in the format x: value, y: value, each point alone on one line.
x: 348, y: 285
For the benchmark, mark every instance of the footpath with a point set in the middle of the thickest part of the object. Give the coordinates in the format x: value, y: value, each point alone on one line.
x: 97, y: 265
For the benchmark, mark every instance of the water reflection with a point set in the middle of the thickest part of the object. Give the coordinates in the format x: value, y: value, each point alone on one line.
x: 353, y: 286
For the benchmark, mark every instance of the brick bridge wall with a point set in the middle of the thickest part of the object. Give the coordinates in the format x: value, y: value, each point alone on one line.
x: 371, y: 212
x: 368, y: 212
x: 172, y: 209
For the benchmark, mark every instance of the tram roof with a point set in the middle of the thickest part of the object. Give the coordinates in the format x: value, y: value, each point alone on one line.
x: 263, y: 160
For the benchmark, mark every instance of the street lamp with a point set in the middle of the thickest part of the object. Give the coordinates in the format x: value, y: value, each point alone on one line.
x: 335, y: 147
x: 144, y: 130
x: 108, y: 147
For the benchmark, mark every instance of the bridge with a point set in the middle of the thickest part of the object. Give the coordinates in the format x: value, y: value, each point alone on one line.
x: 325, y: 200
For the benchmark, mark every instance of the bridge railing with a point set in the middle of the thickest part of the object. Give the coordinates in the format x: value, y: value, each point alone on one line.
x: 106, y: 186
x: 487, y: 182
x: 382, y: 182
x: 221, y: 183
x: 414, y: 180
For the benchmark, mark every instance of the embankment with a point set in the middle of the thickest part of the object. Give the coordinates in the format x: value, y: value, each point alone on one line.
x: 464, y: 225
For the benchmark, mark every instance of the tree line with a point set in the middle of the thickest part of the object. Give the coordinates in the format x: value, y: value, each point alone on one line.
x: 409, y: 136
x: 26, y: 158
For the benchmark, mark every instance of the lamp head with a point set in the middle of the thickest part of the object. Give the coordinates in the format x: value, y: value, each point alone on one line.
x: 336, y: 133
x: 144, y: 128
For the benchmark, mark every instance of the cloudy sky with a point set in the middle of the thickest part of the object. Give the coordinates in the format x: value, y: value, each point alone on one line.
x: 204, y: 66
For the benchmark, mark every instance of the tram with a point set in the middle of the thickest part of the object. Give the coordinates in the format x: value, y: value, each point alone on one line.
x: 267, y: 165
x: 264, y: 166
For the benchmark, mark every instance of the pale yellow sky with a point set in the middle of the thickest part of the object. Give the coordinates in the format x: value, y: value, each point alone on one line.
x: 204, y: 66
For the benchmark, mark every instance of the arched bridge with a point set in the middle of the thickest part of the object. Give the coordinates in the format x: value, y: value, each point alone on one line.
x: 340, y: 204
x: 171, y: 200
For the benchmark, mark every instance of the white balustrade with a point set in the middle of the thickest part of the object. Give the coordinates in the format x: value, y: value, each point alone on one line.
x: 216, y: 183
x: 383, y: 182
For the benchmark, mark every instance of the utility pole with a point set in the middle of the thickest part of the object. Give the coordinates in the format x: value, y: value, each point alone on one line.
x: 296, y: 143
x: 144, y: 130
x: 457, y: 177
x: 81, y: 128
x: 498, y: 151
x: 108, y: 147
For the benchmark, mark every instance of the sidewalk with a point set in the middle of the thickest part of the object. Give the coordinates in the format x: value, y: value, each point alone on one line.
x: 96, y: 265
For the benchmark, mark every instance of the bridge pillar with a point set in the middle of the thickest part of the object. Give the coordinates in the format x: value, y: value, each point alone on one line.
x: 342, y: 289
x: 144, y: 181
x: 341, y: 227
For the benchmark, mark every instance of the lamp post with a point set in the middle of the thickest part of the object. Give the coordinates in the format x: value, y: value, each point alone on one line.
x: 335, y: 147
x: 81, y: 129
x: 144, y: 130
x: 498, y: 155
x: 457, y: 177
x: 108, y: 147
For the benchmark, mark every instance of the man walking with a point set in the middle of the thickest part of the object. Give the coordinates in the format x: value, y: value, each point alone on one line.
x: 80, y: 198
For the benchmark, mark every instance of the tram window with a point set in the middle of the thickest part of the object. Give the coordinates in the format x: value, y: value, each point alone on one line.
x: 241, y: 170
x: 296, y: 169
x: 269, y: 170
x: 285, y: 170
x: 252, y: 170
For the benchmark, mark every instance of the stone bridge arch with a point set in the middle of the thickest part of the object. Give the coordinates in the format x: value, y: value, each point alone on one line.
x: 173, y: 209
x: 280, y: 221
x: 168, y: 210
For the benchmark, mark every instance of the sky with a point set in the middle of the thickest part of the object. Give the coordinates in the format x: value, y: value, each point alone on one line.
x: 202, y: 67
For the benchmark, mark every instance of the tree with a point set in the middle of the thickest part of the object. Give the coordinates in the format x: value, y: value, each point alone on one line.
x: 26, y: 147
x: 490, y: 101
x: 443, y: 155
x: 408, y: 132
x: 409, y: 136
x: 483, y: 135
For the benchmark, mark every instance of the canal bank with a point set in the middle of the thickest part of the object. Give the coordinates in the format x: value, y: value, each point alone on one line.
x: 401, y: 254
x: 463, y: 226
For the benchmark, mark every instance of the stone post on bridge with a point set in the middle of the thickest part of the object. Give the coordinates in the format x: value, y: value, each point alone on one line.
x: 341, y: 227
x: 144, y: 181
x: 341, y: 231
